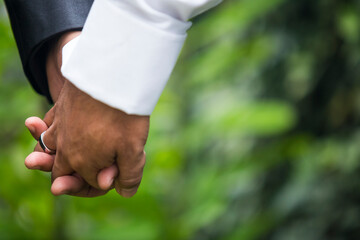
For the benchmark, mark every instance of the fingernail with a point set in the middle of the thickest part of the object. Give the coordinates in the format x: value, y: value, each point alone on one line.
x: 126, y: 193
x: 36, y: 167
x: 110, y: 183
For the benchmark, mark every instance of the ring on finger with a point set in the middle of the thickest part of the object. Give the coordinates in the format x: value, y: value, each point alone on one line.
x: 43, y: 145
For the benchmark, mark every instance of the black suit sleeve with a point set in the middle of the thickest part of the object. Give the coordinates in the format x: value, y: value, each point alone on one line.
x: 35, y: 23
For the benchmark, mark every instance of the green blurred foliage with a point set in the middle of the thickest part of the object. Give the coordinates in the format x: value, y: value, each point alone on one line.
x: 255, y: 137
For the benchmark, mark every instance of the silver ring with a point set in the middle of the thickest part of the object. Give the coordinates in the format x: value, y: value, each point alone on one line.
x: 43, y: 146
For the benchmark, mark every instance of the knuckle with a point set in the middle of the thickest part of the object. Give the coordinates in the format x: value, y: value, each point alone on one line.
x: 130, y: 183
x: 76, y: 163
x: 135, y: 149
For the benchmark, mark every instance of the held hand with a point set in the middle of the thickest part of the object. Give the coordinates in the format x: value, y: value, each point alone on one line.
x: 70, y: 184
x: 89, y: 136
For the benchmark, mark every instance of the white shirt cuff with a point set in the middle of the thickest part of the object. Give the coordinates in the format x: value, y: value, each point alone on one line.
x: 121, y: 60
x: 128, y: 49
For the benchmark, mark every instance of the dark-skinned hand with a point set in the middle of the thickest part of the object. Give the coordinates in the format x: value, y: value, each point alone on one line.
x: 90, y: 139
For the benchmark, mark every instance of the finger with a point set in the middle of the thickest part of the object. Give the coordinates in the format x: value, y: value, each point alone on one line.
x: 74, y: 185
x: 79, y: 163
x: 67, y: 185
x: 89, y: 163
x: 49, y: 137
x: 106, y: 177
x: 61, y: 166
x: 49, y: 116
x: 38, y: 148
x: 88, y: 172
x: 36, y: 126
x: 40, y: 161
x: 130, y: 174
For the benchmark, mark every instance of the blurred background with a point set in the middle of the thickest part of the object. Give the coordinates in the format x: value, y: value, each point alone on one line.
x: 256, y: 136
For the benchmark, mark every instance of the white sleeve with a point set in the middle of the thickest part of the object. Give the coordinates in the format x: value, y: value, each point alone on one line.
x: 128, y: 49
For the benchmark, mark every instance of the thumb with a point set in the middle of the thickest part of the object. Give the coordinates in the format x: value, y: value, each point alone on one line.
x: 106, y: 177
x: 67, y: 184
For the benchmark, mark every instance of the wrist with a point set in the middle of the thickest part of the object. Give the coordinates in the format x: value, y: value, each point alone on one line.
x: 54, y: 62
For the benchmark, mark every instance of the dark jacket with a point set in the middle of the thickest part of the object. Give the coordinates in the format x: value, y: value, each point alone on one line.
x: 35, y: 23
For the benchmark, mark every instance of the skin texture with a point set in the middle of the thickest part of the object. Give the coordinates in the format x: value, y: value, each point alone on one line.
x: 89, y: 136
x: 70, y: 184
x: 38, y: 160
x: 94, y: 143
x: 54, y: 61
